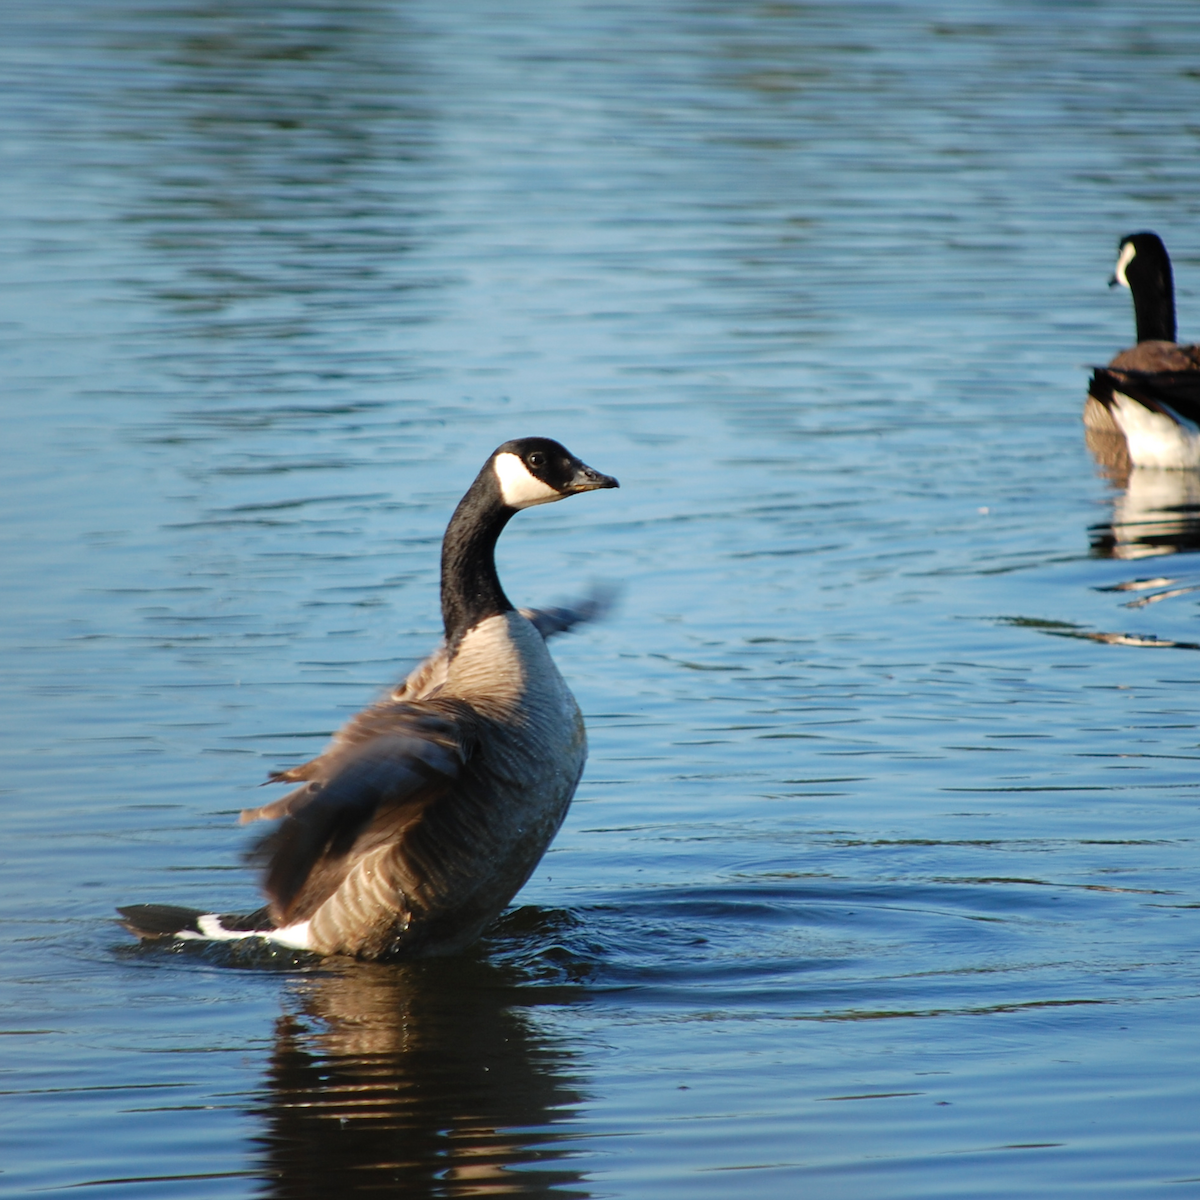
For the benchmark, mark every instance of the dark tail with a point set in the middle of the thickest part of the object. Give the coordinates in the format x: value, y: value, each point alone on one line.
x: 151, y: 922
x: 1173, y: 394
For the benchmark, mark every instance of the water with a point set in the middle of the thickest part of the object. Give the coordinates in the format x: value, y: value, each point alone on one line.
x: 882, y: 878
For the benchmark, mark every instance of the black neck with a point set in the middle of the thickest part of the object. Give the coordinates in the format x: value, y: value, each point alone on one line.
x: 1153, y: 299
x: 471, y: 588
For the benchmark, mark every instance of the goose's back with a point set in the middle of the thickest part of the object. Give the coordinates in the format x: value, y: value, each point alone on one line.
x: 1154, y: 357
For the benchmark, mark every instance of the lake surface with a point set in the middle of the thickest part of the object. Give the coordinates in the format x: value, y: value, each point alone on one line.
x: 882, y: 880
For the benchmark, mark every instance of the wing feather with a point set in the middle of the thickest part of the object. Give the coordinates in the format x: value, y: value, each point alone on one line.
x: 371, y: 788
x: 592, y: 607
x: 374, y: 782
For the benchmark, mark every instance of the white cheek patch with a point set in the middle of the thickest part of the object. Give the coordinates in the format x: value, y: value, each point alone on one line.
x: 519, y: 489
x: 1123, y: 261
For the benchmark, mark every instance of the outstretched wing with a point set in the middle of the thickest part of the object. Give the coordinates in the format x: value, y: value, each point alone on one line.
x: 364, y: 791
x: 592, y: 607
x: 400, y: 709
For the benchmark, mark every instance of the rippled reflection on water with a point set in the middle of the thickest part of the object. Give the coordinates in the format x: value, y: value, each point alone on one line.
x: 415, y: 1078
x: 881, y: 880
x: 1155, y: 513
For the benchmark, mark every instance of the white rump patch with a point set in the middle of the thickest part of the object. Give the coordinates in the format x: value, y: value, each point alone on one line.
x: 211, y: 930
x: 1155, y: 440
x: 1124, y: 259
x: 295, y: 936
x: 518, y: 488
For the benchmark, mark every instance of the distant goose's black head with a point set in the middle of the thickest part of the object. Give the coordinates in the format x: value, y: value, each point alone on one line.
x: 519, y: 474
x: 1144, y: 267
x: 529, y: 471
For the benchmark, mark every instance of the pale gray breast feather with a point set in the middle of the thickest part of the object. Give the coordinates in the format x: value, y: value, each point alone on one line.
x: 503, y: 667
x: 429, y: 676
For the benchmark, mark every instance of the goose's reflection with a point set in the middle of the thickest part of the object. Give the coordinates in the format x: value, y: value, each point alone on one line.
x: 426, y: 1079
x: 1156, y: 513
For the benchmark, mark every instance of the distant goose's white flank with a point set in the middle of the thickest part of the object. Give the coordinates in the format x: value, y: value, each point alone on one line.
x: 1146, y: 402
x: 430, y: 809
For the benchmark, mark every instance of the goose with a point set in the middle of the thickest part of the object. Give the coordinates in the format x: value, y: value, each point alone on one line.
x: 430, y: 809
x: 1144, y: 407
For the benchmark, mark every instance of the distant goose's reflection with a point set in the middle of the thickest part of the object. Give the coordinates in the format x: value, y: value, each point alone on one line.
x: 1157, y: 513
x: 417, y: 1080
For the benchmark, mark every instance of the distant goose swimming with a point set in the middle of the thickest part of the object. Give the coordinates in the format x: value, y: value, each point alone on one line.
x: 1148, y: 397
x: 430, y: 808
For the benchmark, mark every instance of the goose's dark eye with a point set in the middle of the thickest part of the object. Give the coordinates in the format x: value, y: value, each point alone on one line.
x: 536, y: 459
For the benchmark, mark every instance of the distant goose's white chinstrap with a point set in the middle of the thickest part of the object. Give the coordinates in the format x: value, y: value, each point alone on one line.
x: 1143, y: 409
x: 430, y: 809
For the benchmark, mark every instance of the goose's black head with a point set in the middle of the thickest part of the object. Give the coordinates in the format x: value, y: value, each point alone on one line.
x: 1144, y: 267
x: 531, y: 471
x: 519, y: 474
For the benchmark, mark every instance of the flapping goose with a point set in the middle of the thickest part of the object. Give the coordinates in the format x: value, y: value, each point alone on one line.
x: 1147, y: 400
x: 430, y: 808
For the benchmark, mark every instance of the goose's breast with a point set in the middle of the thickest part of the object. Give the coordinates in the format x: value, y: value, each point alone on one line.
x: 504, y: 671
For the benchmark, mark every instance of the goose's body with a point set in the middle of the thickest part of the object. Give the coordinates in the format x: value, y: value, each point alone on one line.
x: 430, y: 808
x: 1143, y: 409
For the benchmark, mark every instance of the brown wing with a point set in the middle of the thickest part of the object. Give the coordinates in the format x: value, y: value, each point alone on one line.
x: 549, y: 621
x: 369, y: 790
x: 422, y: 682
x: 426, y: 678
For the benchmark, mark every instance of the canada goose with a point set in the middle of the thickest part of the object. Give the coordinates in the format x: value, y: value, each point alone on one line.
x: 429, y: 809
x: 1144, y: 407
